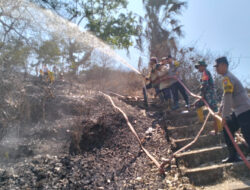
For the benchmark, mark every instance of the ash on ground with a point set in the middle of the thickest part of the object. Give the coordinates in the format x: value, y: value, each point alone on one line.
x: 70, y: 137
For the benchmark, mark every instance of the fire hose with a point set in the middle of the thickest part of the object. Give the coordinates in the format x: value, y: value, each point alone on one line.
x: 133, y: 131
x: 186, y: 146
x: 213, y: 114
x: 161, y: 166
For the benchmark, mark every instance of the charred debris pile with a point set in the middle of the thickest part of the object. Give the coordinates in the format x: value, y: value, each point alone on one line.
x: 69, y: 137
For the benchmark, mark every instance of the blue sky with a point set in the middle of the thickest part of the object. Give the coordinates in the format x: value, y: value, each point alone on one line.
x: 222, y: 26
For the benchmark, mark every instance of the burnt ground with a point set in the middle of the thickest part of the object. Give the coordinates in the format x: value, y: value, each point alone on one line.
x: 70, y: 137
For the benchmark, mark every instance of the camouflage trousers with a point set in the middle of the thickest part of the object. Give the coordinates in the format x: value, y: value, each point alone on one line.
x: 209, y: 96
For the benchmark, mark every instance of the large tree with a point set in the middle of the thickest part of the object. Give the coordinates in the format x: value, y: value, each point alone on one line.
x: 162, y: 26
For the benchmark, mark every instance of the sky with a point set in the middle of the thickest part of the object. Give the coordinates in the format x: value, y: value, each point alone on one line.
x: 221, y: 26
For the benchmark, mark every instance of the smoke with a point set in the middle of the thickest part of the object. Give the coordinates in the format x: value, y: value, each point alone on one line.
x: 25, y: 31
x: 83, y: 53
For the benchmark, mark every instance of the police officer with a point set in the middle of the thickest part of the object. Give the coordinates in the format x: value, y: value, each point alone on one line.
x: 235, y: 107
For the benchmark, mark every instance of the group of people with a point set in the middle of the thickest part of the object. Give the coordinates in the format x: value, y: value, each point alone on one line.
x: 235, y: 105
x: 166, y: 88
x: 47, y: 75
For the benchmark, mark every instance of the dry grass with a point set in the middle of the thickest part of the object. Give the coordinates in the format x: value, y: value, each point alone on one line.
x: 121, y: 82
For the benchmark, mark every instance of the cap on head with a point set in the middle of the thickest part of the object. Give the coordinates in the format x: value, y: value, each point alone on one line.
x: 200, y: 63
x: 158, y: 65
x: 169, y: 57
x: 220, y: 60
x: 164, y: 58
x: 153, y: 59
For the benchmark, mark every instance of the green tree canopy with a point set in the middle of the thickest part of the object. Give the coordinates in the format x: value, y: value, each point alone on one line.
x: 108, y: 20
x: 48, y: 52
x: 14, y: 53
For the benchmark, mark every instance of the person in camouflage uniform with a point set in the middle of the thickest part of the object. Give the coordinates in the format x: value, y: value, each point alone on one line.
x: 207, y: 92
x: 207, y: 87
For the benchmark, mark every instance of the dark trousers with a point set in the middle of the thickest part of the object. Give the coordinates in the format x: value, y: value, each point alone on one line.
x: 178, y: 87
x: 234, y: 123
x: 166, y: 93
x: 159, y: 93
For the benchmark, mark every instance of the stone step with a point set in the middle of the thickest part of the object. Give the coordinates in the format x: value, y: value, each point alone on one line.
x: 184, y: 114
x: 195, y: 158
x: 205, y: 156
x: 181, y: 122
x: 179, y: 119
x: 188, y: 122
x: 189, y: 131
x: 216, y: 173
x: 202, y: 163
x: 202, y: 142
x: 230, y: 184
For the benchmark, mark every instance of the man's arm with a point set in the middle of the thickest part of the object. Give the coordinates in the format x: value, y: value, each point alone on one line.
x: 227, y: 105
x: 204, y: 83
x: 177, y: 68
x: 163, y: 71
x: 227, y: 98
x: 221, y: 104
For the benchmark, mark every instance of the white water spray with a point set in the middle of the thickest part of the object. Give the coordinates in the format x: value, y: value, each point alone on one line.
x: 47, y: 21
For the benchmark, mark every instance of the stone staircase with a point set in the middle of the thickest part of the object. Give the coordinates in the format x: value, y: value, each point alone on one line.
x: 201, y: 163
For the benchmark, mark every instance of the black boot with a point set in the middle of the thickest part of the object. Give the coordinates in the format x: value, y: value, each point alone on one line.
x: 232, y: 159
x: 233, y: 156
